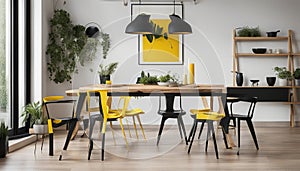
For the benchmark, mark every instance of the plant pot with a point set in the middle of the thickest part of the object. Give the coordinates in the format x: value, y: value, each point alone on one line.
x: 40, y: 129
x: 297, y: 82
x: 282, y: 82
x: 271, y: 81
x: 3, y: 147
x: 103, y: 78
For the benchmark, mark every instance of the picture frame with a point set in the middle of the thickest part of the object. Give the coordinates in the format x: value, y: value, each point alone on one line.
x: 161, y: 48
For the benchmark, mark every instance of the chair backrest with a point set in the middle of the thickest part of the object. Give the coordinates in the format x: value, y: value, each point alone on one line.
x: 168, y: 106
x: 57, y: 107
x: 123, y: 104
x: 251, y: 100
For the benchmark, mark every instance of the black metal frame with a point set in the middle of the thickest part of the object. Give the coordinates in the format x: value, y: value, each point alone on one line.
x: 17, y: 132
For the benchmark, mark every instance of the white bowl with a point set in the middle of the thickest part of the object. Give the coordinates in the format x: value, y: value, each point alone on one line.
x: 163, y: 83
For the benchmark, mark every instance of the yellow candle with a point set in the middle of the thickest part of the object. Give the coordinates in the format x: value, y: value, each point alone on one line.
x: 108, y: 82
x: 192, y: 73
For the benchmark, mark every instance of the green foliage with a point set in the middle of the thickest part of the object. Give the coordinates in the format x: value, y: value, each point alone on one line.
x: 105, y: 43
x: 152, y: 80
x: 108, y: 69
x: 283, y: 73
x: 3, y: 131
x: 249, y: 32
x: 158, y: 33
x: 3, y: 34
x: 65, y: 44
x: 164, y: 78
x: 34, y: 111
x: 297, y: 73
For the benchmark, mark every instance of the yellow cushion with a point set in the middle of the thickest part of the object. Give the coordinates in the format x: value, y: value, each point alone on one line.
x: 215, y: 116
x: 195, y: 111
x: 135, y: 111
x: 52, y: 98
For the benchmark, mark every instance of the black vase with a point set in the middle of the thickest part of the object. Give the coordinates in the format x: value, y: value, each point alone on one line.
x: 239, y: 79
x: 103, y: 78
x: 3, y: 147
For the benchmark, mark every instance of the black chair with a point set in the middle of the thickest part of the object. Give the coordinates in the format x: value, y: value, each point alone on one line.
x: 53, y: 121
x: 237, y: 117
x: 169, y: 112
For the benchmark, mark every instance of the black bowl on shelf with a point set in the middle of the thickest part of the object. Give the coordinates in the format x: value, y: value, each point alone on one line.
x: 259, y: 50
x: 271, y: 81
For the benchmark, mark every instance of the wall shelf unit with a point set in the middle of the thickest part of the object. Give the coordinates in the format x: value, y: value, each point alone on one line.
x: 289, y: 55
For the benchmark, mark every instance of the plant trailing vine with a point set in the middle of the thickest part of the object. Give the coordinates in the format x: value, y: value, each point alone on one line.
x: 66, y: 41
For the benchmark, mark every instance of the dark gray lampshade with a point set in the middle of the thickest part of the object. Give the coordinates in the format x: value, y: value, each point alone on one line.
x: 140, y: 25
x: 92, y: 31
x: 178, y: 26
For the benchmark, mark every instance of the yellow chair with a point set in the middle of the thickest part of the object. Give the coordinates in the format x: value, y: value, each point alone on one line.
x: 107, y: 115
x: 134, y: 113
x: 205, y: 116
x: 56, y: 121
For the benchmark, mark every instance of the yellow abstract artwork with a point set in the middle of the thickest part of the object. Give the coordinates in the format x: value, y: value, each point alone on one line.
x: 164, y: 49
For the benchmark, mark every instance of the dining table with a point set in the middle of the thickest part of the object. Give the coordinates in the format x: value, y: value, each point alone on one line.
x: 153, y: 90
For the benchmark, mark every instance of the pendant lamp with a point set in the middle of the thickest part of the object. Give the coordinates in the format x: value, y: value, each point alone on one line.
x: 92, y: 29
x: 140, y: 25
x: 177, y: 25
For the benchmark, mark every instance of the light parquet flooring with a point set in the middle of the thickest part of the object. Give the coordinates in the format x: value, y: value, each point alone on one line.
x: 279, y: 150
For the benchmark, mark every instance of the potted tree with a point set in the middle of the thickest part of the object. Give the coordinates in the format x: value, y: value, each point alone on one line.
x: 37, y: 120
x: 3, y: 140
x: 283, y: 75
x: 106, y: 71
x: 297, y: 77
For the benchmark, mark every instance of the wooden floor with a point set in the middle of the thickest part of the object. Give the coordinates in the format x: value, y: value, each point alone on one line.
x: 279, y: 150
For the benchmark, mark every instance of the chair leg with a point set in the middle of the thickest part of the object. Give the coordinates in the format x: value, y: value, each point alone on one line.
x: 123, y: 131
x: 128, y: 128
x: 51, y: 144
x: 239, y: 135
x: 103, y: 145
x: 72, y: 123
x: 179, y: 127
x: 134, y: 125
x: 160, y: 129
x: 193, y: 132
x: 183, y: 129
x: 91, y: 145
x: 141, y: 126
x: 207, y: 137
x: 201, y: 129
x: 211, y: 127
x: 251, y: 128
x: 112, y: 132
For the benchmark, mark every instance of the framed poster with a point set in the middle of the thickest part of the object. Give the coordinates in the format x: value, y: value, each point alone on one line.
x: 159, y: 48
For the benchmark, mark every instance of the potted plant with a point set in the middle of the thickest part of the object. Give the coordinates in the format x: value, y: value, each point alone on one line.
x: 283, y: 75
x: 148, y: 79
x: 106, y: 71
x: 297, y: 76
x: 37, y: 120
x: 248, y: 32
x: 3, y: 140
x: 164, y: 79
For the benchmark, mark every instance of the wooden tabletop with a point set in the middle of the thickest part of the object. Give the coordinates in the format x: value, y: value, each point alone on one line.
x: 140, y: 88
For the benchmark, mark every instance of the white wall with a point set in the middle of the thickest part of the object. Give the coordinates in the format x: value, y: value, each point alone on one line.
x: 210, y: 46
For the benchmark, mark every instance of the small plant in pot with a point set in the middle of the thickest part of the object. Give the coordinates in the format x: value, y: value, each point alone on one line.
x: 3, y: 140
x: 297, y: 76
x: 106, y: 71
x: 148, y: 79
x: 283, y: 75
x: 33, y: 112
x: 164, y: 79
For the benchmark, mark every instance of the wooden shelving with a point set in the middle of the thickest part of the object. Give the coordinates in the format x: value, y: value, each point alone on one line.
x: 290, y: 61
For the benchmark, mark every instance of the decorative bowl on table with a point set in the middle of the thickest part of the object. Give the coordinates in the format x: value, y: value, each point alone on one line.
x: 254, y: 82
x: 163, y: 83
x: 259, y: 50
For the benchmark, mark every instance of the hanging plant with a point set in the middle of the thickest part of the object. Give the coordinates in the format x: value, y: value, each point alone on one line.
x: 66, y: 41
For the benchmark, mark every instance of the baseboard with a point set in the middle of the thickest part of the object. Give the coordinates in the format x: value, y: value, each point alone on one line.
x: 19, y: 143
